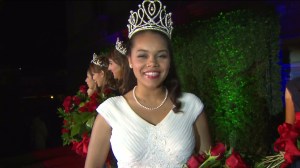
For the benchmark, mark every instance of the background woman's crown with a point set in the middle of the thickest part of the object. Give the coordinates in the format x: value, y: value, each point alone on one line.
x: 98, y: 61
x: 120, y: 46
x: 151, y: 15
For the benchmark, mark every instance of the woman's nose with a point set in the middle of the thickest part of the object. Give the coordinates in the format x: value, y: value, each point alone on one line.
x: 152, y: 62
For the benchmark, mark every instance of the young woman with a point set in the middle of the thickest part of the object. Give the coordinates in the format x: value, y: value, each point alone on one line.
x: 92, y: 85
x: 153, y: 124
x: 100, y: 73
x: 118, y: 64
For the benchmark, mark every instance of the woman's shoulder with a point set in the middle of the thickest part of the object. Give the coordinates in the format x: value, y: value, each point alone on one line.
x: 191, y: 104
x: 111, y: 103
x: 113, y: 100
x: 188, y: 96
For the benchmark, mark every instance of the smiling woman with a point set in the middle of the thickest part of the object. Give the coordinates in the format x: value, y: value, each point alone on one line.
x: 153, y: 124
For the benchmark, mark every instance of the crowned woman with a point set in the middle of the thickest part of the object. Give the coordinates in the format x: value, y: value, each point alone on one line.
x: 153, y: 123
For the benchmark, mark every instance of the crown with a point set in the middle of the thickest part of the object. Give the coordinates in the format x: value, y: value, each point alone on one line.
x: 120, y: 47
x: 151, y: 15
x: 97, y: 61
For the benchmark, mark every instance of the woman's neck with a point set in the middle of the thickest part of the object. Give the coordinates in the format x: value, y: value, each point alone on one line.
x: 149, y: 93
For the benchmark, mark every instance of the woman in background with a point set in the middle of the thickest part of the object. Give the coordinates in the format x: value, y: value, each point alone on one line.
x: 118, y: 63
x: 101, y: 75
x: 92, y: 85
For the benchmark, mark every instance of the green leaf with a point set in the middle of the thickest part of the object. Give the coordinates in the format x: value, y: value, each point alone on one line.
x: 90, y: 122
x: 82, y: 118
x: 75, y: 130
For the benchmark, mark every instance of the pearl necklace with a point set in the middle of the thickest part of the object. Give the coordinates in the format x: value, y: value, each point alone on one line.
x: 149, y: 108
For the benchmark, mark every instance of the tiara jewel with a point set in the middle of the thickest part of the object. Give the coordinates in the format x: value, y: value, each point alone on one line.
x: 151, y: 15
x: 97, y: 61
x: 120, y: 47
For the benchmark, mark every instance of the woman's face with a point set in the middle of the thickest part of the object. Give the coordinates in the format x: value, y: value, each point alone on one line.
x: 98, y: 77
x: 150, y: 59
x: 89, y: 81
x: 115, y: 69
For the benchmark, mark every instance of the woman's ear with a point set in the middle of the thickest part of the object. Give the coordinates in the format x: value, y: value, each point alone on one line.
x: 102, y: 74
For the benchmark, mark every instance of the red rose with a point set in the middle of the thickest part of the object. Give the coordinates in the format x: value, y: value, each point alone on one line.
x: 291, y: 152
x: 65, y: 122
x: 81, y: 147
x: 83, y: 89
x: 92, y: 105
x: 67, y: 103
x: 218, y: 150
x: 89, y: 106
x: 279, y: 145
x: 64, y: 130
x: 297, y: 125
x: 287, y: 132
x: 235, y: 161
x: 94, y: 96
x: 195, y: 161
x: 83, y: 109
x: 76, y: 100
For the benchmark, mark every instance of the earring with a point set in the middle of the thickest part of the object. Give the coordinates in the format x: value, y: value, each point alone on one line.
x: 130, y: 65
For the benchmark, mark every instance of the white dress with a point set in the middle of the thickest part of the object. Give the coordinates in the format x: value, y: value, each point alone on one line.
x: 138, y: 144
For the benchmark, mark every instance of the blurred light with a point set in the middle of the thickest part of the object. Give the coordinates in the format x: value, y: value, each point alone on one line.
x: 51, y: 97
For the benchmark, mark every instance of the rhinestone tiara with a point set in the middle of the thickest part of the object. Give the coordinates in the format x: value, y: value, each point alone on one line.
x: 120, y: 46
x: 151, y: 15
x: 97, y: 61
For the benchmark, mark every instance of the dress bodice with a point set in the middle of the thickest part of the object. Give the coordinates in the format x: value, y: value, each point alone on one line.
x: 137, y: 143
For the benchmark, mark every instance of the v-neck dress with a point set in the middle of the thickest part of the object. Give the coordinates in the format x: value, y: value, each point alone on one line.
x: 138, y: 144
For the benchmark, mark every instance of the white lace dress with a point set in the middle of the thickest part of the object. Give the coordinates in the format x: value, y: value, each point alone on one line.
x: 138, y: 144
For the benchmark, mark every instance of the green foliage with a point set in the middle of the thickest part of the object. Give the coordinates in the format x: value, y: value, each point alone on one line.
x: 230, y: 62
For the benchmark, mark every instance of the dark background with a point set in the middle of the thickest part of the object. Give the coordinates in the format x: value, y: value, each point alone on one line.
x: 45, y: 47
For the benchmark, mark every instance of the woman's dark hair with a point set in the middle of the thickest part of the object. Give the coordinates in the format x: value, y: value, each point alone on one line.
x: 172, y: 82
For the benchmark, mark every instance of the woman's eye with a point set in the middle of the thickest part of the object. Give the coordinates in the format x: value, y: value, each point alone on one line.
x: 162, y: 56
x: 142, y: 56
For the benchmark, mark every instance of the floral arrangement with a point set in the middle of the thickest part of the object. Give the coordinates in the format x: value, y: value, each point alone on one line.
x: 79, y: 113
x: 218, y: 156
x: 286, y: 147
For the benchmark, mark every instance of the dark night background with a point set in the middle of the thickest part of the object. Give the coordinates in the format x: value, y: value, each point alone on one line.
x: 45, y: 47
x: 33, y: 67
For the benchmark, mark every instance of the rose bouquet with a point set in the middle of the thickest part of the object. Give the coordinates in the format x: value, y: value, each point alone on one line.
x: 286, y: 147
x: 79, y: 113
x: 217, y: 157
